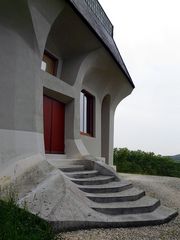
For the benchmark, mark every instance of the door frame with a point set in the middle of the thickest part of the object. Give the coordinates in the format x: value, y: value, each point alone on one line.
x: 51, y: 130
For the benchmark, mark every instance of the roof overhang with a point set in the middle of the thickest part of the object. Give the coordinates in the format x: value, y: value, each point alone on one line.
x: 93, y: 22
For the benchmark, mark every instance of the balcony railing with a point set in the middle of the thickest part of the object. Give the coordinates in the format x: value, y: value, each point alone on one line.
x: 101, y: 15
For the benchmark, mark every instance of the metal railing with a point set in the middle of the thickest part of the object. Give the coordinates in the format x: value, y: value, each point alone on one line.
x: 101, y: 15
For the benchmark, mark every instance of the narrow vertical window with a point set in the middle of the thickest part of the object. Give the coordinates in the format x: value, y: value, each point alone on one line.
x: 49, y: 63
x: 86, y: 113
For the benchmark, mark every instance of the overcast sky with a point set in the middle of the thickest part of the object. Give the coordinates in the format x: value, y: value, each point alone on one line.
x: 147, y: 33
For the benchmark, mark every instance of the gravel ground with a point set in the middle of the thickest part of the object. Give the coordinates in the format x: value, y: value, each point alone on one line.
x: 164, y: 188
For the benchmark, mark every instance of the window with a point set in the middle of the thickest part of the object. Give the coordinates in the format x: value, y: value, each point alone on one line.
x: 49, y: 63
x: 86, y: 113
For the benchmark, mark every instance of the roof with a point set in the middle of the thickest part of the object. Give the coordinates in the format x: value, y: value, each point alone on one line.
x: 86, y: 12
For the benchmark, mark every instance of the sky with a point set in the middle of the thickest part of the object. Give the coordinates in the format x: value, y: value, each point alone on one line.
x: 147, y: 34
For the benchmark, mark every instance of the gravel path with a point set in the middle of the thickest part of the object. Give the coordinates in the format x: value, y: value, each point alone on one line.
x: 164, y: 188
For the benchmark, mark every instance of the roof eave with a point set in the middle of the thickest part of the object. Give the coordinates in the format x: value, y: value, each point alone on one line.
x: 107, y: 40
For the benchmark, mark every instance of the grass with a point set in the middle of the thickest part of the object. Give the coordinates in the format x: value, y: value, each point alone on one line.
x: 19, y: 224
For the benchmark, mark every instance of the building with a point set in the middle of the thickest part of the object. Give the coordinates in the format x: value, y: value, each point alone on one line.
x: 75, y: 41
x: 62, y: 78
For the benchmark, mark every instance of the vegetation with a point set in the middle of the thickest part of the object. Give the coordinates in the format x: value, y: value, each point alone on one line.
x: 176, y: 158
x: 19, y: 224
x: 145, y: 163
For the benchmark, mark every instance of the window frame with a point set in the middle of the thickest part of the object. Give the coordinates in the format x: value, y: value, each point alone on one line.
x: 90, y: 115
x: 54, y: 60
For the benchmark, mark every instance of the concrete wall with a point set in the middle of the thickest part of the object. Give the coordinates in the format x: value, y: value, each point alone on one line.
x: 84, y: 63
x: 19, y: 108
x: 24, y: 26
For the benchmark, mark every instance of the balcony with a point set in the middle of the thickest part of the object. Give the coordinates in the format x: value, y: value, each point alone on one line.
x: 96, y: 8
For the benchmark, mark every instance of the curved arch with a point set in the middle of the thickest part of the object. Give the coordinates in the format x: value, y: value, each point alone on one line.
x: 98, y: 69
x: 94, y: 60
x: 44, y: 14
x: 70, y: 44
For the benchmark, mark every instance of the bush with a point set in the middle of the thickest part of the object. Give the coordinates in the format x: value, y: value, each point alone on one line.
x: 145, y: 163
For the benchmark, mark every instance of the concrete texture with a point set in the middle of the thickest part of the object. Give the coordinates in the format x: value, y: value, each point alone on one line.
x: 48, y: 191
x: 131, y: 194
x: 165, y: 188
x: 83, y: 63
x: 16, y: 145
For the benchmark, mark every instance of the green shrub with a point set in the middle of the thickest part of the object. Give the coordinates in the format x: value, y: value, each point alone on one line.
x: 145, y: 163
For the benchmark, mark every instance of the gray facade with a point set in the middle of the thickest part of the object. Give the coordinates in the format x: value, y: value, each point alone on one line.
x: 68, y: 108
x: 87, y: 60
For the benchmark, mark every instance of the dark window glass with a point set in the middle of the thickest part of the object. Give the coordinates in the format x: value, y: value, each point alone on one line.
x: 86, y: 113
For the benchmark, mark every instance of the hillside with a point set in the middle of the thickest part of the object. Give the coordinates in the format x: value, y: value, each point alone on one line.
x: 175, y: 157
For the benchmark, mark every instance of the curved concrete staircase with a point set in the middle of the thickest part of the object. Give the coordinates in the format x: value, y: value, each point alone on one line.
x: 121, y: 204
x: 80, y: 194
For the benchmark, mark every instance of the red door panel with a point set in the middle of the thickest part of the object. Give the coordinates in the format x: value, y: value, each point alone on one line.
x: 53, y: 125
x: 57, y: 144
x: 47, y: 107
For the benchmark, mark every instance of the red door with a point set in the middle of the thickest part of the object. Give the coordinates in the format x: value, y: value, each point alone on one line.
x: 53, y: 125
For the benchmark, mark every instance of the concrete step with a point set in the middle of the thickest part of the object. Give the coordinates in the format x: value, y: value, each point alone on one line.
x: 159, y: 216
x: 98, y: 180
x: 63, y: 162
x: 142, y: 205
x: 112, y: 187
x: 131, y: 194
x: 83, y: 174
x: 72, y: 168
x: 56, y: 156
